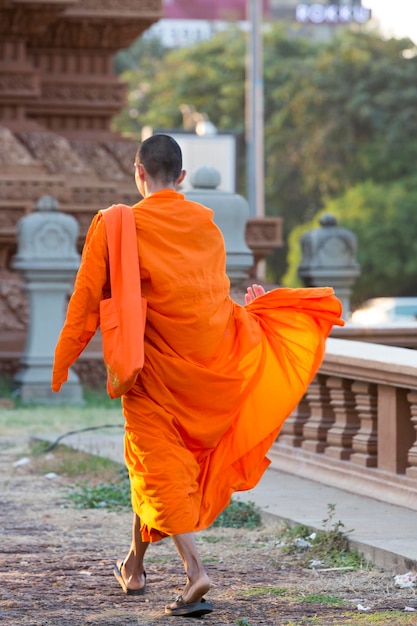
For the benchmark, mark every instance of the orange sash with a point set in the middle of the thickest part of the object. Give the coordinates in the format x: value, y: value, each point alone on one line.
x: 123, y: 315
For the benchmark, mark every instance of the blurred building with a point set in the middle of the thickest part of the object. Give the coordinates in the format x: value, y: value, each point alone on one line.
x: 58, y: 95
x: 188, y: 21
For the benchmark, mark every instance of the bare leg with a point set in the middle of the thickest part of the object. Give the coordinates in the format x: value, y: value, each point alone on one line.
x: 132, y: 568
x: 198, y: 582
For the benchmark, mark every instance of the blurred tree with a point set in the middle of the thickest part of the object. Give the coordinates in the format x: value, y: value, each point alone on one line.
x: 384, y: 218
x: 336, y: 113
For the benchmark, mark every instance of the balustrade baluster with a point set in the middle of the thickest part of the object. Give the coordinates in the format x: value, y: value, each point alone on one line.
x: 346, y: 425
x: 292, y: 430
x: 395, y: 430
x: 364, y: 443
x: 321, y: 416
x: 412, y: 454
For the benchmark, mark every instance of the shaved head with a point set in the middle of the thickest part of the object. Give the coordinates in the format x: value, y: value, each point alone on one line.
x: 161, y: 157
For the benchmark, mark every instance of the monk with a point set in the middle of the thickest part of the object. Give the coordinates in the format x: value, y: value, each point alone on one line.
x: 219, y: 378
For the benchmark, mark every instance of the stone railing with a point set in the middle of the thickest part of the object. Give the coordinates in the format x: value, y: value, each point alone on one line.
x: 356, y: 427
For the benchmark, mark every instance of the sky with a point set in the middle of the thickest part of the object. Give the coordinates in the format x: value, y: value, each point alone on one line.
x: 397, y: 18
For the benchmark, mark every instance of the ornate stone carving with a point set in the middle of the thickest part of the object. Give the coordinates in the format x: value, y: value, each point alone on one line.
x: 21, y: 84
x: 10, y: 217
x: 148, y: 8
x: 28, y: 19
x: 265, y: 232
x: 12, y: 151
x: 13, y: 303
x: 103, y: 163
x: 124, y: 152
x: 97, y: 35
x: 33, y: 188
x: 78, y: 95
x: 57, y: 96
x: 55, y: 153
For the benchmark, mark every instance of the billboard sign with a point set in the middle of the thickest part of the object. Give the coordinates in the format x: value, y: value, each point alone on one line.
x: 331, y: 14
x: 221, y: 10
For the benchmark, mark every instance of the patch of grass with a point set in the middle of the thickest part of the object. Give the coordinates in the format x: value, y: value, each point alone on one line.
x: 317, y: 598
x: 18, y: 419
x: 26, y: 421
x: 112, y: 495
x: 329, y: 547
x: 383, y: 618
x: 87, y: 492
x: 71, y: 463
x: 239, y: 515
x: 99, y: 398
x: 6, y: 387
x: 391, y: 618
x: 212, y: 538
x: 243, y: 622
x: 265, y: 591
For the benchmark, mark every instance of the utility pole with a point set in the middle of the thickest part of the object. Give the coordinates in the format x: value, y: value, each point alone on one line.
x: 255, y: 110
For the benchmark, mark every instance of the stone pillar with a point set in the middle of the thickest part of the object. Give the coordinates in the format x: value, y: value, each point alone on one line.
x: 47, y: 260
x: 329, y: 259
x: 231, y: 213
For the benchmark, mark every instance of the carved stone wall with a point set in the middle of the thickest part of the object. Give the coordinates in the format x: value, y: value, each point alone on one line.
x: 58, y: 95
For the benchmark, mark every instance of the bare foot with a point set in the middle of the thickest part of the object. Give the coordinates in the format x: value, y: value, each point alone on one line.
x: 195, y: 590
x: 131, y: 582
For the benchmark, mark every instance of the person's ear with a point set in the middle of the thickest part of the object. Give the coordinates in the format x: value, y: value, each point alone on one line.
x: 181, y: 177
x: 141, y: 171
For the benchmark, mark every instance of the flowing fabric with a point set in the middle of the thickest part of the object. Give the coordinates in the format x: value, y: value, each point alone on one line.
x: 219, y: 378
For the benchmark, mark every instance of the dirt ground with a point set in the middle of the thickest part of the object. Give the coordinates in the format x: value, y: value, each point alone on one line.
x: 56, y: 569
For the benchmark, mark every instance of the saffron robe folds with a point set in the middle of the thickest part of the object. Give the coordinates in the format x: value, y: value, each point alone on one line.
x: 219, y: 378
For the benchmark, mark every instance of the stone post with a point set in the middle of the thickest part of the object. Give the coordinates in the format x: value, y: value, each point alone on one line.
x: 329, y: 259
x: 231, y: 212
x: 47, y: 260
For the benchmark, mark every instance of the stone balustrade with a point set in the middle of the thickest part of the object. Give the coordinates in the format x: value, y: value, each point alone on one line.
x: 356, y: 427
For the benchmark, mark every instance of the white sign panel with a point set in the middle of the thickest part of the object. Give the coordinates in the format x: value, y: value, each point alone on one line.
x: 331, y: 14
x: 218, y: 151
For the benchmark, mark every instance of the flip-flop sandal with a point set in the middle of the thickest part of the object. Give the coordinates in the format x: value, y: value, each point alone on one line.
x: 192, y: 609
x: 129, y: 592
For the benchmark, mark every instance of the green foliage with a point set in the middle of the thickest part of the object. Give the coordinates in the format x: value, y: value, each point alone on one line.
x: 6, y: 389
x: 336, y: 114
x: 317, y: 598
x: 100, y: 399
x: 328, y: 546
x: 66, y: 461
x: 113, y: 495
x: 212, y: 538
x: 217, y: 91
x: 239, y: 515
x: 265, y: 591
x: 384, y: 220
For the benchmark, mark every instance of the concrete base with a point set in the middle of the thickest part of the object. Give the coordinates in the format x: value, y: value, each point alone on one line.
x: 398, y: 490
x: 33, y: 386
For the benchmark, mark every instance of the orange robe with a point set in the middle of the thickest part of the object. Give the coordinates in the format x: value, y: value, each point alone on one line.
x: 219, y: 378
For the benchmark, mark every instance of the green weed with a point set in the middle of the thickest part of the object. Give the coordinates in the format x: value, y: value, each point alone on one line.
x: 265, y: 591
x: 212, y: 538
x: 239, y: 515
x: 393, y: 618
x: 317, y: 598
x: 112, y: 495
x: 71, y: 463
x: 329, y: 546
